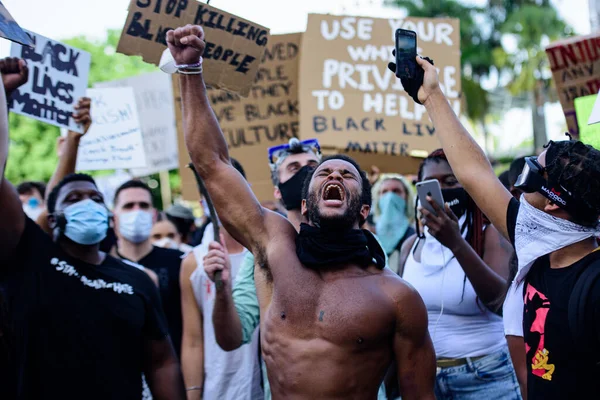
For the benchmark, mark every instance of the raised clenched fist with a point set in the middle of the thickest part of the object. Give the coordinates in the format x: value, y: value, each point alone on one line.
x: 14, y: 73
x: 186, y: 44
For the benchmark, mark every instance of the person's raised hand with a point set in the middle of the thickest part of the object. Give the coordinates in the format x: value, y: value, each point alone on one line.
x: 186, y: 44
x: 82, y: 116
x: 443, y: 226
x: 217, y: 259
x: 431, y: 82
x: 14, y: 73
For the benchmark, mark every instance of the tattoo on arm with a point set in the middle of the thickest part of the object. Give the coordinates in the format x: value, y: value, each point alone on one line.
x: 321, y: 315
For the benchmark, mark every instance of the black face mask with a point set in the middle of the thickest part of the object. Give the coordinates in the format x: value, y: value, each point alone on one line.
x: 457, y: 200
x: 291, y: 190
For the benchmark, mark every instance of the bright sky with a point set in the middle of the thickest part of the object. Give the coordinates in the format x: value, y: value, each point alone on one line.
x: 60, y: 19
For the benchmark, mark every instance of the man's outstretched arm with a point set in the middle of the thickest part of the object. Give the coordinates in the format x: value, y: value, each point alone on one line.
x: 12, y: 219
x: 413, y: 349
x: 467, y: 159
x: 239, y: 211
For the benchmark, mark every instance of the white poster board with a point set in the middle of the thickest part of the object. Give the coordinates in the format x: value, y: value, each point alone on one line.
x: 154, y: 100
x: 58, y: 77
x: 114, y: 140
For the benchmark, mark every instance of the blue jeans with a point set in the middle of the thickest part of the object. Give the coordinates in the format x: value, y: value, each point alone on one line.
x: 489, y: 378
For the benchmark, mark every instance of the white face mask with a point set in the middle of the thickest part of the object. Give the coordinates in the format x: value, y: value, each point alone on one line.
x: 166, y: 243
x: 135, y: 226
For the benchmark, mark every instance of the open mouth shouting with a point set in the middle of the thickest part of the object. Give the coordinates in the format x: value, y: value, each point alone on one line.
x: 334, y: 194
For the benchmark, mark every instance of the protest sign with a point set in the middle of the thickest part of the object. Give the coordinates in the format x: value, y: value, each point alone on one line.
x: 351, y: 101
x: 114, y: 140
x: 10, y: 30
x: 154, y: 99
x: 234, y: 46
x: 585, y: 107
x: 575, y: 64
x: 58, y: 77
x: 267, y: 117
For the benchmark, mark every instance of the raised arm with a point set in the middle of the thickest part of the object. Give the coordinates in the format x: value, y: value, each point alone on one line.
x: 12, y: 218
x: 413, y: 349
x: 192, y: 343
x: 467, y: 159
x: 238, y: 209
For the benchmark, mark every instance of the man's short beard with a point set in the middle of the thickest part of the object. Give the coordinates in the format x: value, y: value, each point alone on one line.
x: 342, y: 222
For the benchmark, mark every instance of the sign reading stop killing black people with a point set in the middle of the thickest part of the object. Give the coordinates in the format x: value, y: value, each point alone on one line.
x: 58, y: 77
x: 234, y: 46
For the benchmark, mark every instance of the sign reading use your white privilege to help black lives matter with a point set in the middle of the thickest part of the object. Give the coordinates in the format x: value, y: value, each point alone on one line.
x: 234, y: 46
x: 267, y: 117
x: 58, y: 77
x: 351, y: 101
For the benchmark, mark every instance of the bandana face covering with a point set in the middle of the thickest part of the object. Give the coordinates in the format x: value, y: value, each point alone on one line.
x: 317, y: 249
x: 536, y: 235
x: 291, y: 190
x: 392, y: 223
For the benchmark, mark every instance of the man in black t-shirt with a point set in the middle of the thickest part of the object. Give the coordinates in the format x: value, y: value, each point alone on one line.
x: 134, y: 216
x: 554, y: 231
x: 76, y: 323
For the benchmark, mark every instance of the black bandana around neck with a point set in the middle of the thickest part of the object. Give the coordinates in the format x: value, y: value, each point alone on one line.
x: 317, y: 249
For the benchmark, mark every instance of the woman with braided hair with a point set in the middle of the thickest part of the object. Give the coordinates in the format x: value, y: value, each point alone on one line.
x: 459, y: 265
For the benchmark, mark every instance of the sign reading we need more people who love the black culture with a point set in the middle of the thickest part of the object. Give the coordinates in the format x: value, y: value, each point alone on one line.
x: 234, y: 46
x: 58, y: 77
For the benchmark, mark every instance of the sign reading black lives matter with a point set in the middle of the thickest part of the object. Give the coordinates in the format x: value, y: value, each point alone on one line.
x: 234, y: 46
x: 58, y: 77
x: 351, y: 101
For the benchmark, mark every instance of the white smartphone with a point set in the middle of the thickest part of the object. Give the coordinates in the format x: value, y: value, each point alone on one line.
x: 430, y: 188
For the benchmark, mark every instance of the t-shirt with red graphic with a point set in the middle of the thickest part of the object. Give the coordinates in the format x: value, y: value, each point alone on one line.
x: 558, y: 368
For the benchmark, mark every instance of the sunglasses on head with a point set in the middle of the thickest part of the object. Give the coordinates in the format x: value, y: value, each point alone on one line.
x: 278, y: 153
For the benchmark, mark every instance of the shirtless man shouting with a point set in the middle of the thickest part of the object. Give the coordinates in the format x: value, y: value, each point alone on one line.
x: 332, y: 319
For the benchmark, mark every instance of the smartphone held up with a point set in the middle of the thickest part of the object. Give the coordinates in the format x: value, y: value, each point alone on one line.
x: 406, y: 52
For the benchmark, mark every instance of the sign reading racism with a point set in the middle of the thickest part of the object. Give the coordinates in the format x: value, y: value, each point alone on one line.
x: 267, y: 117
x: 575, y: 64
x: 114, y: 140
x: 234, y: 46
x: 58, y: 77
x: 351, y: 101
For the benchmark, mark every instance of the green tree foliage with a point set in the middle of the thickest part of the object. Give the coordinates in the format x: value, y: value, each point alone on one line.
x: 32, y: 153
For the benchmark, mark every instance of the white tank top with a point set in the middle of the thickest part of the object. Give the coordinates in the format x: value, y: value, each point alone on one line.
x: 466, y: 328
x: 228, y: 375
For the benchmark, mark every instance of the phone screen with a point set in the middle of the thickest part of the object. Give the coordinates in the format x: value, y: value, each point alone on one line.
x: 406, y: 51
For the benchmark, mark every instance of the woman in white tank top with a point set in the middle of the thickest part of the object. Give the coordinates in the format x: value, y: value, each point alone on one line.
x: 459, y: 266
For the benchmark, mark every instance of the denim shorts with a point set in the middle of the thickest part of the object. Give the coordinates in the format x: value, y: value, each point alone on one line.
x: 491, y: 378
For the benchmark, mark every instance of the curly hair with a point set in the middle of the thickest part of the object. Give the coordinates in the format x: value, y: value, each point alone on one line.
x: 576, y: 167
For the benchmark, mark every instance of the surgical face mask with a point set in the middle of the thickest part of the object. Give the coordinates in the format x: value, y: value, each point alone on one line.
x: 32, y: 208
x: 86, y: 222
x: 166, y: 243
x: 392, y: 223
x: 457, y: 200
x: 135, y: 226
x: 291, y: 190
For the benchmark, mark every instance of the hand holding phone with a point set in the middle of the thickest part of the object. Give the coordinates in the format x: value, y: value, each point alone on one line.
x: 432, y: 189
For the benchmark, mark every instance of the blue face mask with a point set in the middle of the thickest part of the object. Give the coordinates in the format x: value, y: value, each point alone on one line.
x: 392, y: 224
x: 87, y: 222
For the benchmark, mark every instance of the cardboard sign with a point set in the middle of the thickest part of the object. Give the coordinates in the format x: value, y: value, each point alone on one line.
x: 575, y: 64
x: 352, y: 101
x: 234, y: 46
x: 9, y: 29
x: 585, y: 107
x: 154, y: 100
x: 58, y: 78
x: 266, y: 118
x: 114, y: 140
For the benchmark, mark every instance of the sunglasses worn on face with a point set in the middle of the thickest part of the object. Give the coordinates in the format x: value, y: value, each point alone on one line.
x: 532, y: 180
